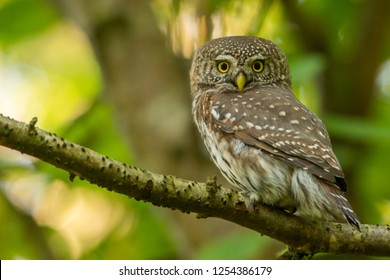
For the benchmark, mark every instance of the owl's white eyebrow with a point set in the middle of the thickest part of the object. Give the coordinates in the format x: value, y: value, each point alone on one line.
x: 257, y: 56
x: 223, y: 57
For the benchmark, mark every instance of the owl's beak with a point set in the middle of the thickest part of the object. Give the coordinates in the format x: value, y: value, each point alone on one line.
x: 240, y: 81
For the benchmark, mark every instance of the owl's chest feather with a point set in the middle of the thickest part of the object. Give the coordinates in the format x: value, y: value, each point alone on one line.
x: 247, y: 168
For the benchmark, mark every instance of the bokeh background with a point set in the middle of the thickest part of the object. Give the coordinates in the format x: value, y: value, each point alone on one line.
x: 112, y: 75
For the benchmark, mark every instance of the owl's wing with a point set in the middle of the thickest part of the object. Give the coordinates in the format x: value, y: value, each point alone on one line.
x: 273, y: 120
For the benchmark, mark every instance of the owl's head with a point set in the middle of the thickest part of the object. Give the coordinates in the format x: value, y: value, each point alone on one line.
x: 238, y: 63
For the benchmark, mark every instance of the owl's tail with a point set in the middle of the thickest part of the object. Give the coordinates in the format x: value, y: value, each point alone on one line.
x: 338, y: 198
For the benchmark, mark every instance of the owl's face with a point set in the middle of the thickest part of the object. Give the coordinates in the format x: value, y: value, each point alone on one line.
x: 238, y: 63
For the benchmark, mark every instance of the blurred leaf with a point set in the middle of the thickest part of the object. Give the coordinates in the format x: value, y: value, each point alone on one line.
x: 384, y: 209
x: 97, y: 129
x: 356, y: 129
x: 305, y: 70
x: 148, y: 239
x: 215, y: 5
x: 176, y: 6
x: 20, y: 19
x: 16, y: 233
x: 239, y: 246
x: 372, y: 179
x: 306, y: 67
x: 152, y: 239
x: 338, y: 18
x: 262, y: 16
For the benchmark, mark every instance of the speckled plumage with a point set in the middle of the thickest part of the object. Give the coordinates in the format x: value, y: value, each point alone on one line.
x: 265, y: 142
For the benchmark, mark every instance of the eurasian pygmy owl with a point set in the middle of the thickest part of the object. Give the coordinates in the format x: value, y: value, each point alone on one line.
x: 263, y: 140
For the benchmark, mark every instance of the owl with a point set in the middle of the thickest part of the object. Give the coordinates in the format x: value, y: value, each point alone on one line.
x: 266, y: 143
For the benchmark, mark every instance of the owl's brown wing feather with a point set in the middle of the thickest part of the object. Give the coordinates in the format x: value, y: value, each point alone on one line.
x: 273, y: 120
x: 249, y: 139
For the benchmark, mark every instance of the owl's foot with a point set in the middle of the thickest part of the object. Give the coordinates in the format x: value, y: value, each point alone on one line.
x: 251, y: 200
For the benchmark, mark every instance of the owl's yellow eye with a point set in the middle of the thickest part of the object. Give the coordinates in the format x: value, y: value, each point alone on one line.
x: 223, y: 66
x: 258, y: 66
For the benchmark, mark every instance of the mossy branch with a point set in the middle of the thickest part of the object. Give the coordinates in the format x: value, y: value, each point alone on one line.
x: 207, y: 199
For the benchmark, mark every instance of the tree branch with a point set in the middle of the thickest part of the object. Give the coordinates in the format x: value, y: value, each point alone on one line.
x: 207, y: 199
